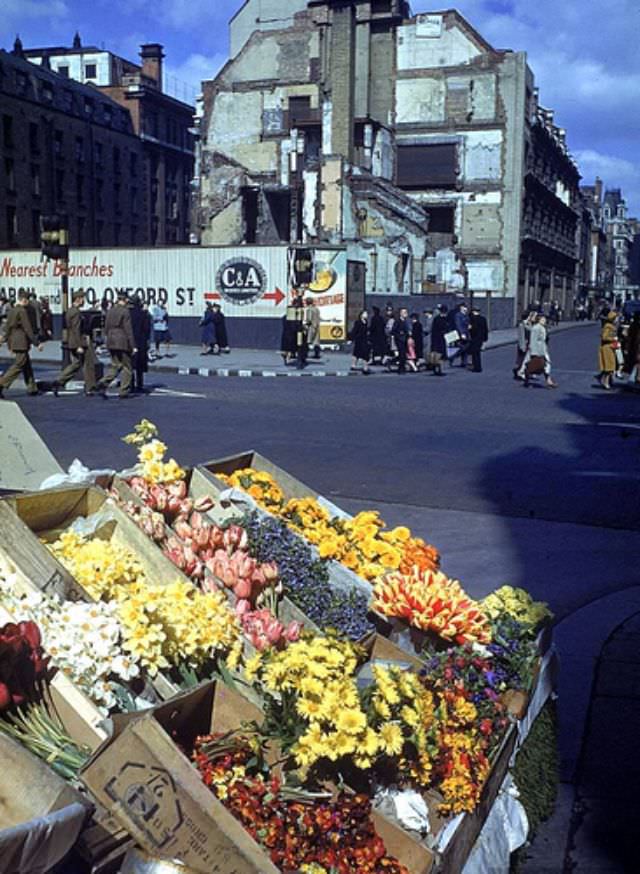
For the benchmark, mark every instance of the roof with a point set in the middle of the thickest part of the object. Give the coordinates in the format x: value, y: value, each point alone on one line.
x: 120, y: 117
x: 62, y: 50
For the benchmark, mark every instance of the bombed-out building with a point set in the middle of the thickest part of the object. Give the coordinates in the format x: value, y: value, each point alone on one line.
x: 409, y: 140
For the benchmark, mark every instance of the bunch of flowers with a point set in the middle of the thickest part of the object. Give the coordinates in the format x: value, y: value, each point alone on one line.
x: 263, y: 630
x: 177, y: 626
x: 312, y: 702
x: 514, y: 651
x: 432, y: 602
x: 23, y: 666
x: 170, y: 500
x: 322, y: 837
x: 261, y: 486
x: 461, y: 765
x: 151, y: 452
x: 477, y: 678
x: 518, y: 604
x: 84, y: 641
x: 163, y: 626
x: 359, y: 543
x: 305, y: 579
x: 401, y: 711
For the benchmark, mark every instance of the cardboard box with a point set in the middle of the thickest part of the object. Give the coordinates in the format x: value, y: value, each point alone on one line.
x: 142, y: 776
x: 25, y: 460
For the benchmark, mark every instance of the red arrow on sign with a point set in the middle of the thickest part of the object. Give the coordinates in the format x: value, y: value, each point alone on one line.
x: 277, y: 296
x: 211, y: 295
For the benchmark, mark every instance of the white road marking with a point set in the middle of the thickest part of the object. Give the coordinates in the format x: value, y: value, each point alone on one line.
x: 620, y: 425
x: 169, y: 392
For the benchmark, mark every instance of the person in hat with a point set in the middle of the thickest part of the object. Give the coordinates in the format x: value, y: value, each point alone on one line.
x: 478, y: 336
x: 20, y: 337
x: 76, y: 338
x: 121, y: 346
x: 312, y: 324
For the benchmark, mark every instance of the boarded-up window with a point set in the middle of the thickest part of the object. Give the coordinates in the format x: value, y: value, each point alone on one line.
x: 441, y: 219
x: 427, y: 166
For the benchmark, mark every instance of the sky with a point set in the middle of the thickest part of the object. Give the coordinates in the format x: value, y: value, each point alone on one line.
x: 584, y: 55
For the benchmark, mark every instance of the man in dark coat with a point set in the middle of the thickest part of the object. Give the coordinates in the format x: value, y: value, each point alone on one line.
x: 141, y: 325
x: 377, y: 337
x: 20, y: 336
x: 76, y: 338
x: 478, y: 335
x: 208, y: 330
x: 401, y: 332
x: 439, y: 327
x: 121, y: 345
x: 220, y: 328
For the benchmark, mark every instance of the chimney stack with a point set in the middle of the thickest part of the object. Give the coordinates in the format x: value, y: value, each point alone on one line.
x: 598, y: 191
x: 152, y: 55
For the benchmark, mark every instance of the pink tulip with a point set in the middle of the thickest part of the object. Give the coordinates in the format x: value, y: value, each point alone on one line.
x: 242, y: 607
x: 178, y: 489
x: 243, y: 564
x: 216, y: 537
x: 204, y: 504
x: 197, y: 520
x: 269, y: 570
x: 292, y: 631
x: 183, y: 530
x: 242, y: 589
x: 234, y: 538
x: 177, y: 557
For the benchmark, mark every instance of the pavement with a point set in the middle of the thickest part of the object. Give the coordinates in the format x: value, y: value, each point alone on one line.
x: 535, y: 488
x: 189, y: 360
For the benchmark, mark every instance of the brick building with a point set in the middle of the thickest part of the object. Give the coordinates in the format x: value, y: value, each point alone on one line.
x: 68, y: 148
x: 121, y: 162
x: 351, y: 112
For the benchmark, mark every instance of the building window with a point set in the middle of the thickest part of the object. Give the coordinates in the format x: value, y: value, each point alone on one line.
x: 97, y: 154
x: 46, y: 92
x: 427, y: 166
x: 60, y: 185
x: 7, y: 131
x: 80, y: 150
x: 89, y: 106
x: 12, y: 224
x: 108, y: 114
x: 99, y: 194
x: 22, y: 82
x: 116, y: 197
x: 63, y: 71
x: 116, y: 159
x: 35, y: 226
x: 34, y: 138
x: 441, y: 219
x: 57, y: 143
x: 134, y: 200
x: 133, y: 164
x: 9, y: 174
x: 35, y: 180
x: 80, y: 190
x: 67, y: 99
x: 90, y: 71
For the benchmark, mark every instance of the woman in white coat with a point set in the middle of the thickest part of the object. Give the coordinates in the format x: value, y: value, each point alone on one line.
x: 537, y: 358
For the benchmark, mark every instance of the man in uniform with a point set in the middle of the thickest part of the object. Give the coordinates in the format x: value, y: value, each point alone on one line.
x: 20, y: 336
x: 77, y: 340
x: 121, y: 346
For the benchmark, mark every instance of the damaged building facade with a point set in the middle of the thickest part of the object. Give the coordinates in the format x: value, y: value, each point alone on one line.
x: 409, y: 141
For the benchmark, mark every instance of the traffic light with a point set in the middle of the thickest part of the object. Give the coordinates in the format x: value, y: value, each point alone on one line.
x: 54, y: 237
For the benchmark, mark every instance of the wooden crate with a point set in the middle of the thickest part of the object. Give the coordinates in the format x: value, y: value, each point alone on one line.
x: 29, y: 791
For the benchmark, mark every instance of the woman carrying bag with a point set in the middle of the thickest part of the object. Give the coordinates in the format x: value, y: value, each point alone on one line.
x: 607, y: 350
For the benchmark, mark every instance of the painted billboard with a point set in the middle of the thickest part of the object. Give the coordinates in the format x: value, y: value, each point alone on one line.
x: 249, y: 282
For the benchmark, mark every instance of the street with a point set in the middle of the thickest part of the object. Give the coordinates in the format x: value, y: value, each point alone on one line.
x: 476, y: 463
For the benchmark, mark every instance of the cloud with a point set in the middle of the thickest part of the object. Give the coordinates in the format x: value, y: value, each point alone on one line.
x: 191, y: 72
x: 615, y: 171
x: 14, y: 11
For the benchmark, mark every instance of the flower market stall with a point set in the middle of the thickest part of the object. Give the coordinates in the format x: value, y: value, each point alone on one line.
x: 234, y: 674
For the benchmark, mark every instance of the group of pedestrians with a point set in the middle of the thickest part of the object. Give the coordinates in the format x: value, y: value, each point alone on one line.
x: 300, y: 331
x: 619, y: 347
x: 532, y: 348
x: 214, y: 330
x: 403, y: 341
x: 127, y: 331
